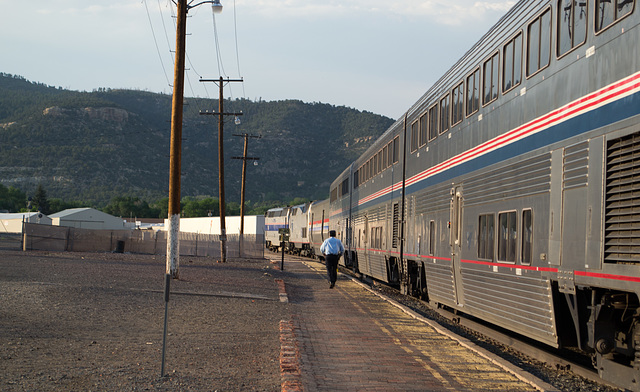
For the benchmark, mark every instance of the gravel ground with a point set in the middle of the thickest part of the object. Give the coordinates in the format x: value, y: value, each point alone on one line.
x: 94, y: 322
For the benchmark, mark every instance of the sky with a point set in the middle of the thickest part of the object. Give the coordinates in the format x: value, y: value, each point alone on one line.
x: 379, y: 56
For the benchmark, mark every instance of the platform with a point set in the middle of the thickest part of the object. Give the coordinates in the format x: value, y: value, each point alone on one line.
x: 350, y: 339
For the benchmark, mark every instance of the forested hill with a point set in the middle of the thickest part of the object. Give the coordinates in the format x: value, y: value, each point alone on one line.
x: 92, y: 146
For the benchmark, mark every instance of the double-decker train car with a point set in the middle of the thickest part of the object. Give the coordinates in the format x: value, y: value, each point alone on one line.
x: 299, y: 230
x: 511, y: 190
x: 274, y: 220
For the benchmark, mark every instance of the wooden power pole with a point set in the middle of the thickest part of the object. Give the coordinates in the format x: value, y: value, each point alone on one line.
x: 173, y: 231
x: 244, y: 158
x: 223, y: 230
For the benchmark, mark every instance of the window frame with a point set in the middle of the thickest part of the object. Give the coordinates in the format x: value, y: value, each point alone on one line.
x: 415, y: 129
x: 615, y: 20
x: 495, y: 72
x: 441, y: 112
x: 436, y: 109
x: 520, y: 34
x: 527, y: 46
x: 510, y: 241
x: 522, y: 238
x: 424, y: 125
x: 466, y: 101
x: 453, y: 104
x: 557, y: 30
x: 485, y: 239
x: 396, y: 149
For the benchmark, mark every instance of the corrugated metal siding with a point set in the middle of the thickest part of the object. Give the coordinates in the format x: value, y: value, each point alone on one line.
x: 525, y: 178
x: 522, y: 303
x: 440, y: 282
x: 622, y: 204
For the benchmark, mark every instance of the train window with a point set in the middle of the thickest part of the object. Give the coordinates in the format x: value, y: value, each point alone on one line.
x: 334, y: 195
x: 424, y: 124
x: 396, y: 149
x: 512, y: 70
x: 490, y: 70
x: 507, y: 236
x: 432, y: 237
x: 572, y: 25
x: 486, y: 233
x: 473, y: 92
x: 458, y: 99
x: 610, y: 11
x: 345, y: 187
x: 380, y: 166
x: 385, y: 157
x: 355, y: 179
x: 539, y: 43
x: 433, y: 122
x: 374, y: 165
x: 527, y: 237
x: 444, y: 113
x: 414, y: 136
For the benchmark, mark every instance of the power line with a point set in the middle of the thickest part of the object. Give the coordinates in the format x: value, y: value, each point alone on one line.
x: 156, y: 43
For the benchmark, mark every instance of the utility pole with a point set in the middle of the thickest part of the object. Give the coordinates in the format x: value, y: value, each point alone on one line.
x: 244, y: 158
x: 223, y: 230
x: 173, y: 241
x: 173, y: 244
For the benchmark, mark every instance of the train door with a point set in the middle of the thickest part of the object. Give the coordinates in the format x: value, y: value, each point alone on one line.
x: 455, y: 241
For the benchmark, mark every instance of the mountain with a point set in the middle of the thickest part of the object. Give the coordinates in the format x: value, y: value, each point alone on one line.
x: 93, y: 146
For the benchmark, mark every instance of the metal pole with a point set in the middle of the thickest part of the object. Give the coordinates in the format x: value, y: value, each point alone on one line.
x: 282, y: 261
x: 167, y: 284
x: 223, y: 229
x: 173, y: 242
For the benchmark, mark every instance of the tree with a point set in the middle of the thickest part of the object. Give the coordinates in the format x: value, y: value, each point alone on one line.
x: 12, y: 199
x: 40, y: 201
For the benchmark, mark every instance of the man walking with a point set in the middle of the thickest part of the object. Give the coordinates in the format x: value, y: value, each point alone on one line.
x: 332, y: 249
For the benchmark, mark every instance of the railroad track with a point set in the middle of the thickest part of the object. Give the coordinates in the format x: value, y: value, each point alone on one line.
x: 572, y: 373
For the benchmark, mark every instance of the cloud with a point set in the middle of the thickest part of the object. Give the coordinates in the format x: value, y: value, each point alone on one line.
x: 440, y: 11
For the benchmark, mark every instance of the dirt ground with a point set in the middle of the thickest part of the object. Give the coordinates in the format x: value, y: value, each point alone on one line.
x: 94, y: 322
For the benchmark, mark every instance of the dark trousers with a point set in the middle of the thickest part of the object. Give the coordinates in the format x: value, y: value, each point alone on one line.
x: 332, y: 267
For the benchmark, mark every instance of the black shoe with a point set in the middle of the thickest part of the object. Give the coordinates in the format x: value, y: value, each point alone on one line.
x: 332, y: 285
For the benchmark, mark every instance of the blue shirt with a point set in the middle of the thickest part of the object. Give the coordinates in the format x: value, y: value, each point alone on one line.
x: 332, y: 246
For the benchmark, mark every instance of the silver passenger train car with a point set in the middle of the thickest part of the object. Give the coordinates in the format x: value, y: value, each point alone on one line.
x: 511, y: 190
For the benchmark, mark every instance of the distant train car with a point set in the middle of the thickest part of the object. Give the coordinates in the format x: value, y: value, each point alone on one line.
x: 510, y: 191
x: 319, y: 225
x: 275, y: 219
x: 299, y: 230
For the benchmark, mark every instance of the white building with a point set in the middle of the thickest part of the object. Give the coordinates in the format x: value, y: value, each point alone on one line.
x: 253, y: 224
x: 12, y: 223
x: 87, y: 218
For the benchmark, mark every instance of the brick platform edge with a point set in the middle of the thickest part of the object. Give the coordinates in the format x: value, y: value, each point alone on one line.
x: 289, y: 359
x: 282, y: 292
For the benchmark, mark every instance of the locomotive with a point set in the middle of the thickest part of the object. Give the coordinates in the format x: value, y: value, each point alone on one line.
x: 510, y: 191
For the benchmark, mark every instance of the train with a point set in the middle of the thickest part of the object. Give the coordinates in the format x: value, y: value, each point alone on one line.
x: 510, y: 191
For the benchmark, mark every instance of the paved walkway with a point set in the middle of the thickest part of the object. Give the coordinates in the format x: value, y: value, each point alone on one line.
x: 350, y: 339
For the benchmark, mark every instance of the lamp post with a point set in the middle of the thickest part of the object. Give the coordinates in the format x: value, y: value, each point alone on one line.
x: 173, y: 231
